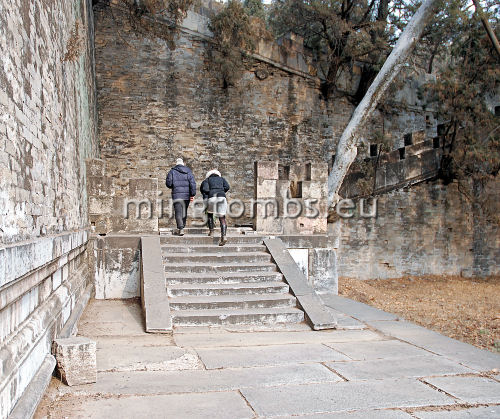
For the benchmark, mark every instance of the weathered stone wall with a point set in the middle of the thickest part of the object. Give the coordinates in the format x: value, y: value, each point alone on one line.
x: 47, y: 130
x: 428, y: 229
x: 157, y: 104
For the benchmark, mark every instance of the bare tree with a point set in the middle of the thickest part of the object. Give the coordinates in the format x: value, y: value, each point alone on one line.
x: 348, y: 144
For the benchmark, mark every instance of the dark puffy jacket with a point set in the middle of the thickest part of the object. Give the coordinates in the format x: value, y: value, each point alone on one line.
x: 215, y: 186
x: 181, y: 180
x: 204, y: 185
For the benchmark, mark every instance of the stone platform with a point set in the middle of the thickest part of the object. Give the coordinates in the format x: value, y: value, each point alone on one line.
x: 382, y: 368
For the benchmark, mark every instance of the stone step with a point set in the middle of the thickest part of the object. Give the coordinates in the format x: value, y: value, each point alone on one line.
x: 233, y: 302
x: 216, y: 268
x: 182, y: 290
x: 202, y: 248
x: 213, y: 241
x: 216, y: 258
x: 204, y: 230
x: 254, y: 316
x: 222, y: 278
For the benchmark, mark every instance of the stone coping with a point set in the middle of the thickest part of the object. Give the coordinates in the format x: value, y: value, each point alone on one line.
x: 154, y: 297
x: 316, y: 313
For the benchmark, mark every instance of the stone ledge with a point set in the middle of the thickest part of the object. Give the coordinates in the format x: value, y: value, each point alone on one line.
x: 18, y: 259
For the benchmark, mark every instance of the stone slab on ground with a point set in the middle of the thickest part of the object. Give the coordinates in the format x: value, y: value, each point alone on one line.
x: 76, y: 360
x: 382, y: 349
x: 113, y: 356
x: 358, y: 414
x: 472, y: 413
x: 342, y: 396
x: 254, y: 356
x: 470, y: 389
x: 112, y: 318
x: 472, y: 357
x: 202, y: 339
x: 418, y: 366
x: 227, y: 405
x: 356, y: 309
x: 196, y: 381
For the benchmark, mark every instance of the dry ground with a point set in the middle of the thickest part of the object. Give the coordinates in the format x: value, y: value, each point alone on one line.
x: 461, y: 308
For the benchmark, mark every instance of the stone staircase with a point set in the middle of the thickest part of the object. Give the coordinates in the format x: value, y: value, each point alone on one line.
x: 237, y: 284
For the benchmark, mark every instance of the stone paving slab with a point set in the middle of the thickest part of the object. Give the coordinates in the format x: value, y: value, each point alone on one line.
x: 418, y: 366
x: 148, y: 339
x: 356, y: 309
x: 137, y: 357
x: 472, y: 413
x: 359, y: 414
x: 207, y: 340
x: 479, y: 359
x: 470, y: 389
x: 342, y: 396
x: 196, y: 381
x: 382, y: 349
x: 254, y: 356
x: 228, y: 405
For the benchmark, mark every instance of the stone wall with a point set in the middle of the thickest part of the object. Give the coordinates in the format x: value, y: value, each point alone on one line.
x: 428, y: 229
x: 157, y: 104
x: 47, y: 130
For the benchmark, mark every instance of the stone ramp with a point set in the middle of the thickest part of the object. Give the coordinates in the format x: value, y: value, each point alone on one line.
x: 235, y: 284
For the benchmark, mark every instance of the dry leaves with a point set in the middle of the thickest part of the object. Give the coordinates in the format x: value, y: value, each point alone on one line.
x: 462, y: 308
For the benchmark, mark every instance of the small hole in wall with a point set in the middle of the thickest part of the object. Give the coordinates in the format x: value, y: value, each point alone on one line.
x: 283, y: 172
x: 92, y: 224
x: 296, y: 189
x: 102, y: 234
x: 301, y: 225
x: 408, y: 140
x: 402, y: 153
x: 435, y: 142
x: 373, y: 150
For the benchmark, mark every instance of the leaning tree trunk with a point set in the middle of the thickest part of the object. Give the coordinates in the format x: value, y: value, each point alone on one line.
x: 347, y: 146
x: 487, y: 26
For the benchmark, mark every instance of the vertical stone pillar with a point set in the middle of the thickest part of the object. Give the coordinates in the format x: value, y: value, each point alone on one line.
x: 266, y: 208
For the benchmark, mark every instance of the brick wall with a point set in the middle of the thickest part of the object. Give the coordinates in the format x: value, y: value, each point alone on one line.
x: 47, y: 128
x: 428, y: 229
x: 156, y: 104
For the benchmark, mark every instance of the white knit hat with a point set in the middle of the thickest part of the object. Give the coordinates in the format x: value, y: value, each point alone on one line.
x: 179, y: 161
x: 212, y: 172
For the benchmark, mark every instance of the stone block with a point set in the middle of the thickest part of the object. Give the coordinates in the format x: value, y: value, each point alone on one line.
x: 266, y: 188
x: 100, y: 186
x: 267, y: 169
x: 430, y: 161
x: 323, y: 270
x: 413, y: 167
x: 317, y: 190
x: 95, y: 167
x: 297, y: 171
x: 142, y: 188
x: 283, y: 188
x: 100, y: 204
x: 269, y: 225
x: 319, y: 172
x: 76, y: 360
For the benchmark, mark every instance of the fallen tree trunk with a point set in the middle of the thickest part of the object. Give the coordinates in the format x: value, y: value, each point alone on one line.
x: 348, y: 144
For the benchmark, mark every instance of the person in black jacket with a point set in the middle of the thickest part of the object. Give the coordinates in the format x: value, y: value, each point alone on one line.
x: 181, y: 180
x: 210, y: 223
x: 215, y: 187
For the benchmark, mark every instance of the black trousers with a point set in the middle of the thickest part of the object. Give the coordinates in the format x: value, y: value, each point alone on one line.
x: 180, y: 210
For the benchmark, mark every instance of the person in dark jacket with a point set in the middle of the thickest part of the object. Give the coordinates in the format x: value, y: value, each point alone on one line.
x: 181, y: 180
x: 215, y: 188
x: 210, y: 224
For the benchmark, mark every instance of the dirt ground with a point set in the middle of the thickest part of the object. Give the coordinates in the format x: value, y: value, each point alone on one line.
x: 461, y: 308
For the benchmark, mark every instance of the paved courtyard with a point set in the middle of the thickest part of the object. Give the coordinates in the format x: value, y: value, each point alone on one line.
x: 374, y: 366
